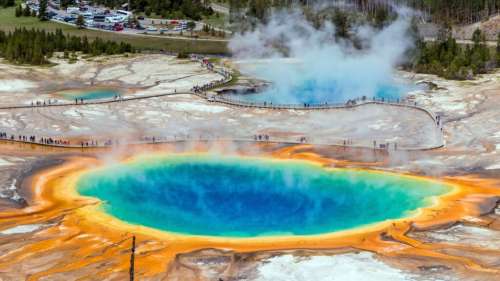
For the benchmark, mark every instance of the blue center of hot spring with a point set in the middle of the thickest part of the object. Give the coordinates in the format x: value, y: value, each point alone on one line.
x: 91, y: 94
x: 320, y: 92
x: 246, y: 197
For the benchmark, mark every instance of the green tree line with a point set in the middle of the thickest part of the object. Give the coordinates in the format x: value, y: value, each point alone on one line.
x: 456, y: 11
x: 448, y: 59
x: 7, y: 3
x: 35, y: 47
x: 26, y: 12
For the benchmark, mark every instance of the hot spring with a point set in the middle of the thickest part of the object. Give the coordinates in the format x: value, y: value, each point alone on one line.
x: 314, y: 92
x: 249, y: 197
x: 298, y: 82
x: 307, y: 64
x: 89, y: 94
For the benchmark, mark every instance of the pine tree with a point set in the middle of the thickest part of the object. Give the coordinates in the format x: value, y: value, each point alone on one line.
x: 19, y: 11
x: 258, y: 9
x: 26, y: 11
x: 498, y: 51
x: 37, y: 57
x: 80, y: 22
x: 342, y: 24
x: 42, y: 11
x: 85, y: 45
x: 191, y: 25
x: 476, y: 37
x: 381, y: 17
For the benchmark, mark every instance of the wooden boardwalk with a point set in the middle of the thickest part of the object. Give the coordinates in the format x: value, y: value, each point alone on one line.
x: 230, y: 102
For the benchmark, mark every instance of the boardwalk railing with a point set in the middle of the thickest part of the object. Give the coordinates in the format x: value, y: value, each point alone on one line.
x: 319, y: 106
x: 227, y: 77
x: 102, y: 143
x: 201, y: 92
x: 94, y: 102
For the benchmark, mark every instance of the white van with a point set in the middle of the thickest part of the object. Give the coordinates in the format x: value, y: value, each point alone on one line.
x: 73, y: 10
x: 89, y: 23
x: 124, y: 14
x: 112, y: 19
x: 87, y: 15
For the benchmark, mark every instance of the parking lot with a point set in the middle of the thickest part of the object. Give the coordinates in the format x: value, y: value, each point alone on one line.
x: 102, y: 18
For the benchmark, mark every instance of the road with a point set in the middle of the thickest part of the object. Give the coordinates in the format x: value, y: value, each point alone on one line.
x: 219, y: 8
x: 135, y: 32
x: 463, y: 42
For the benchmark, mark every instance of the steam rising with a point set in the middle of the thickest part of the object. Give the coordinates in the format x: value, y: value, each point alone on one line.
x: 319, y: 67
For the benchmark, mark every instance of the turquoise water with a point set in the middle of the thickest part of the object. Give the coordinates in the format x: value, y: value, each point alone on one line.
x: 93, y: 94
x: 242, y: 197
x: 314, y: 92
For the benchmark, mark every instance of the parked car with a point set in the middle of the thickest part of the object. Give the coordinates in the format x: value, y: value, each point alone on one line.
x: 87, y: 15
x: 99, y: 18
x: 140, y: 18
x: 118, y: 27
x: 73, y: 10
x: 152, y: 28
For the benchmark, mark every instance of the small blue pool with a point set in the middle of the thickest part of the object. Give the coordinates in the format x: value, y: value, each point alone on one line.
x: 90, y: 94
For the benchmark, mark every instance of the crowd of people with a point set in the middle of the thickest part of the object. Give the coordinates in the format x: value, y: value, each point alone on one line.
x: 195, y: 89
x: 205, y: 87
x: 261, y: 137
x: 95, y: 143
x: 439, y: 123
x: 43, y: 103
x: 55, y: 141
x: 157, y: 139
x: 323, y: 105
x: 34, y: 139
x: 385, y: 146
x: 49, y: 102
x: 214, y: 84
